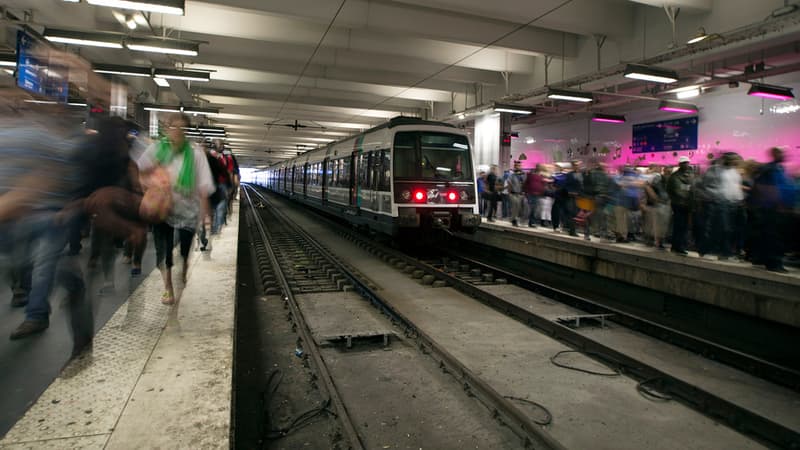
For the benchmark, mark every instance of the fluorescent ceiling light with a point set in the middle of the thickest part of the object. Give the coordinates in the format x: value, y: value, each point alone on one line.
x: 132, y: 71
x: 8, y: 60
x: 689, y: 93
x: 513, y: 111
x: 8, y: 71
x: 212, y: 129
x: 165, y: 46
x: 93, y: 39
x: 771, y: 92
x: 189, y: 75
x: 671, y: 106
x: 608, y: 118
x: 162, y: 82
x: 462, y: 116
x: 160, y: 6
x: 203, y: 111
x: 649, y: 73
x: 162, y: 108
x: 77, y: 104
x: 570, y: 96
x: 700, y: 36
x: 41, y: 102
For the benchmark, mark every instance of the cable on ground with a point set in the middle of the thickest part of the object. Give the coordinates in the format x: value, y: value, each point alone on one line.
x: 270, y: 433
x: 650, y: 393
x: 553, y: 359
x: 548, y: 415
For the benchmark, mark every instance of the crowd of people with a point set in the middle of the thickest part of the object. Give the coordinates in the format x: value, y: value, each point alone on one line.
x: 733, y: 209
x: 66, y: 179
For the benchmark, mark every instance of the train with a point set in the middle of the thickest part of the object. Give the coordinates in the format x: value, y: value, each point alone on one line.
x: 406, y: 177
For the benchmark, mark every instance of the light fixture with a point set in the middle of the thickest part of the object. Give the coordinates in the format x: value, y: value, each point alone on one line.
x: 513, y: 109
x: 608, y: 118
x: 159, y: 6
x: 212, y: 129
x: 8, y: 60
x: 700, y: 36
x: 569, y: 95
x: 770, y: 91
x: 650, y: 73
x: 688, y: 93
x: 131, y: 71
x: 72, y: 1
x: 161, y: 108
x: 93, y: 38
x: 462, y: 116
x: 672, y: 106
x: 189, y: 75
x: 202, y: 111
x: 161, y: 82
x: 167, y: 46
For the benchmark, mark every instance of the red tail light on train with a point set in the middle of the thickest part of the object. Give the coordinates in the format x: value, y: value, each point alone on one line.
x: 452, y: 196
x: 419, y: 196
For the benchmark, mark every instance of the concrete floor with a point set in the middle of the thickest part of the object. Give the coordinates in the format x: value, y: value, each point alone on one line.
x: 139, y: 387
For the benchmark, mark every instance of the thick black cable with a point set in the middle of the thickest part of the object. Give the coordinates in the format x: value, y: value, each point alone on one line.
x: 547, y: 413
x: 650, y: 393
x: 526, y: 24
x: 308, y: 63
x: 553, y: 359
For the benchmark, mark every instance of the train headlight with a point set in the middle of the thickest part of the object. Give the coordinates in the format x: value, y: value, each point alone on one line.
x: 405, y: 195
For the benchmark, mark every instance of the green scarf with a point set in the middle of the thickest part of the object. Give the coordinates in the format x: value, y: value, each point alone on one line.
x: 185, y: 182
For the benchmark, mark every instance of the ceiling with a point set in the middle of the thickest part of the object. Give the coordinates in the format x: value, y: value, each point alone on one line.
x: 291, y: 76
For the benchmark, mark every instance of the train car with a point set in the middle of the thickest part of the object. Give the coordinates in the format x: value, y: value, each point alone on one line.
x: 407, y: 175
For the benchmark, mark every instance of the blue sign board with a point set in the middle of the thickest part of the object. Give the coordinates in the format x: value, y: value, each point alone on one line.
x: 36, y: 74
x: 666, y: 135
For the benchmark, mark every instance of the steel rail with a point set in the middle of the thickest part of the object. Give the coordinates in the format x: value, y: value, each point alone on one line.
x: 506, y: 412
x: 305, y: 333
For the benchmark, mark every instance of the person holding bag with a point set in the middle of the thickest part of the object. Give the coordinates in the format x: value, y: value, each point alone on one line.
x: 175, y: 161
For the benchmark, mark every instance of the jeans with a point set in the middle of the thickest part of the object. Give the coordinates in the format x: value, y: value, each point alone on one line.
x: 680, y: 227
x: 220, y: 209
x: 533, y: 204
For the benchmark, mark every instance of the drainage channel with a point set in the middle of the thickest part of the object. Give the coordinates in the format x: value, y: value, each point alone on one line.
x: 533, y: 435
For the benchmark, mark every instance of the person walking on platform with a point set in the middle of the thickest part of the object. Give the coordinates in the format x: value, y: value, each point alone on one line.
x: 773, y: 196
x: 492, y: 185
x: 680, y: 190
x: 513, y: 185
x: 559, y: 197
x: 191, y: 184
x: 573, y: 186
x: 534, y: 190
x: 481, y: 184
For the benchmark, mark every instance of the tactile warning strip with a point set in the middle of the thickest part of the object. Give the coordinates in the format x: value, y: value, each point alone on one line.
x: 86, y: 400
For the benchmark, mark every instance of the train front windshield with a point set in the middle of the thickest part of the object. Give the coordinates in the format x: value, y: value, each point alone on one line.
x: 432, y: 155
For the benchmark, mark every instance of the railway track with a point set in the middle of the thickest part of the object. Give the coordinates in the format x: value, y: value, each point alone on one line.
x: 473, y: 277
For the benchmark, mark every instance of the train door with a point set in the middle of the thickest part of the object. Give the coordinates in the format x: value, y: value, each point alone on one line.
x: 305, y: 179
x: 374, y: 163
x: 326, y: 163
x: 354, y: 197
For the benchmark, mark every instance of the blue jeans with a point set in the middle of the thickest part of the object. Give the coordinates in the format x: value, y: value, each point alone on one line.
x: 47, y: 240
x: 220, y: 210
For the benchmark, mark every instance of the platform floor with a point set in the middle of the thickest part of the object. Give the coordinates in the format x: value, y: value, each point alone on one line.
x: 793, y: 267
x: 158, y: 376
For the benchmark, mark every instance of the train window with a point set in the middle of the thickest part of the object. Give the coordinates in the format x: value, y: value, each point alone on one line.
x: 440, y: 156
x: 345, y: 173
x: 363, y: 171
x: 385, y: 172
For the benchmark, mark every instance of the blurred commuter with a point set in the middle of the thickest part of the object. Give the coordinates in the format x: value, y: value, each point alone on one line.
x: 38, y: 180
x: 514, y: 184
x: 481, y: 185
x: 534, y: 190
x: 680, y: 190
x: 560, y: 195
x: 724, y: 197
x: 493, y: 187
x: 191, y: 184
x: 772, y: 197
x: 597, y: 187
x: 630, y: 190
x: 573, y: 186
x: 656, y: 213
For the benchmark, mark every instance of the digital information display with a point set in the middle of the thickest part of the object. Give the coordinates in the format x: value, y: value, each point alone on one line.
x: 36, y: 74
x: 667, y: 135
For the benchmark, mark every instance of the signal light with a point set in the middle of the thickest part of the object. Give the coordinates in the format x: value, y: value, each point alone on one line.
x: 419, y: 196
x: 452, y: 196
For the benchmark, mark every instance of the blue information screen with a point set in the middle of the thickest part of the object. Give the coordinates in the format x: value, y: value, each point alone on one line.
x: 667, y: 135
x: 36, y: 73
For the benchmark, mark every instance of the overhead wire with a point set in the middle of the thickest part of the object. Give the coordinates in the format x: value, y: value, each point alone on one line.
x: 305, y: 67
x: 473, y: 53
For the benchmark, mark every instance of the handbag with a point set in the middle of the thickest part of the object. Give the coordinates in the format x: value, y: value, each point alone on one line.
x: 157, y: 200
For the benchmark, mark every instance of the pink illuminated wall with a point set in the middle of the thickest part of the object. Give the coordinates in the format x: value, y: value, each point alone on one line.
x: 730, y: 120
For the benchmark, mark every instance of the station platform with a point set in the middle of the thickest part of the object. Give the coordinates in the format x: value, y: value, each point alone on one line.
x: 732, y: 285
x: 158, y: 376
